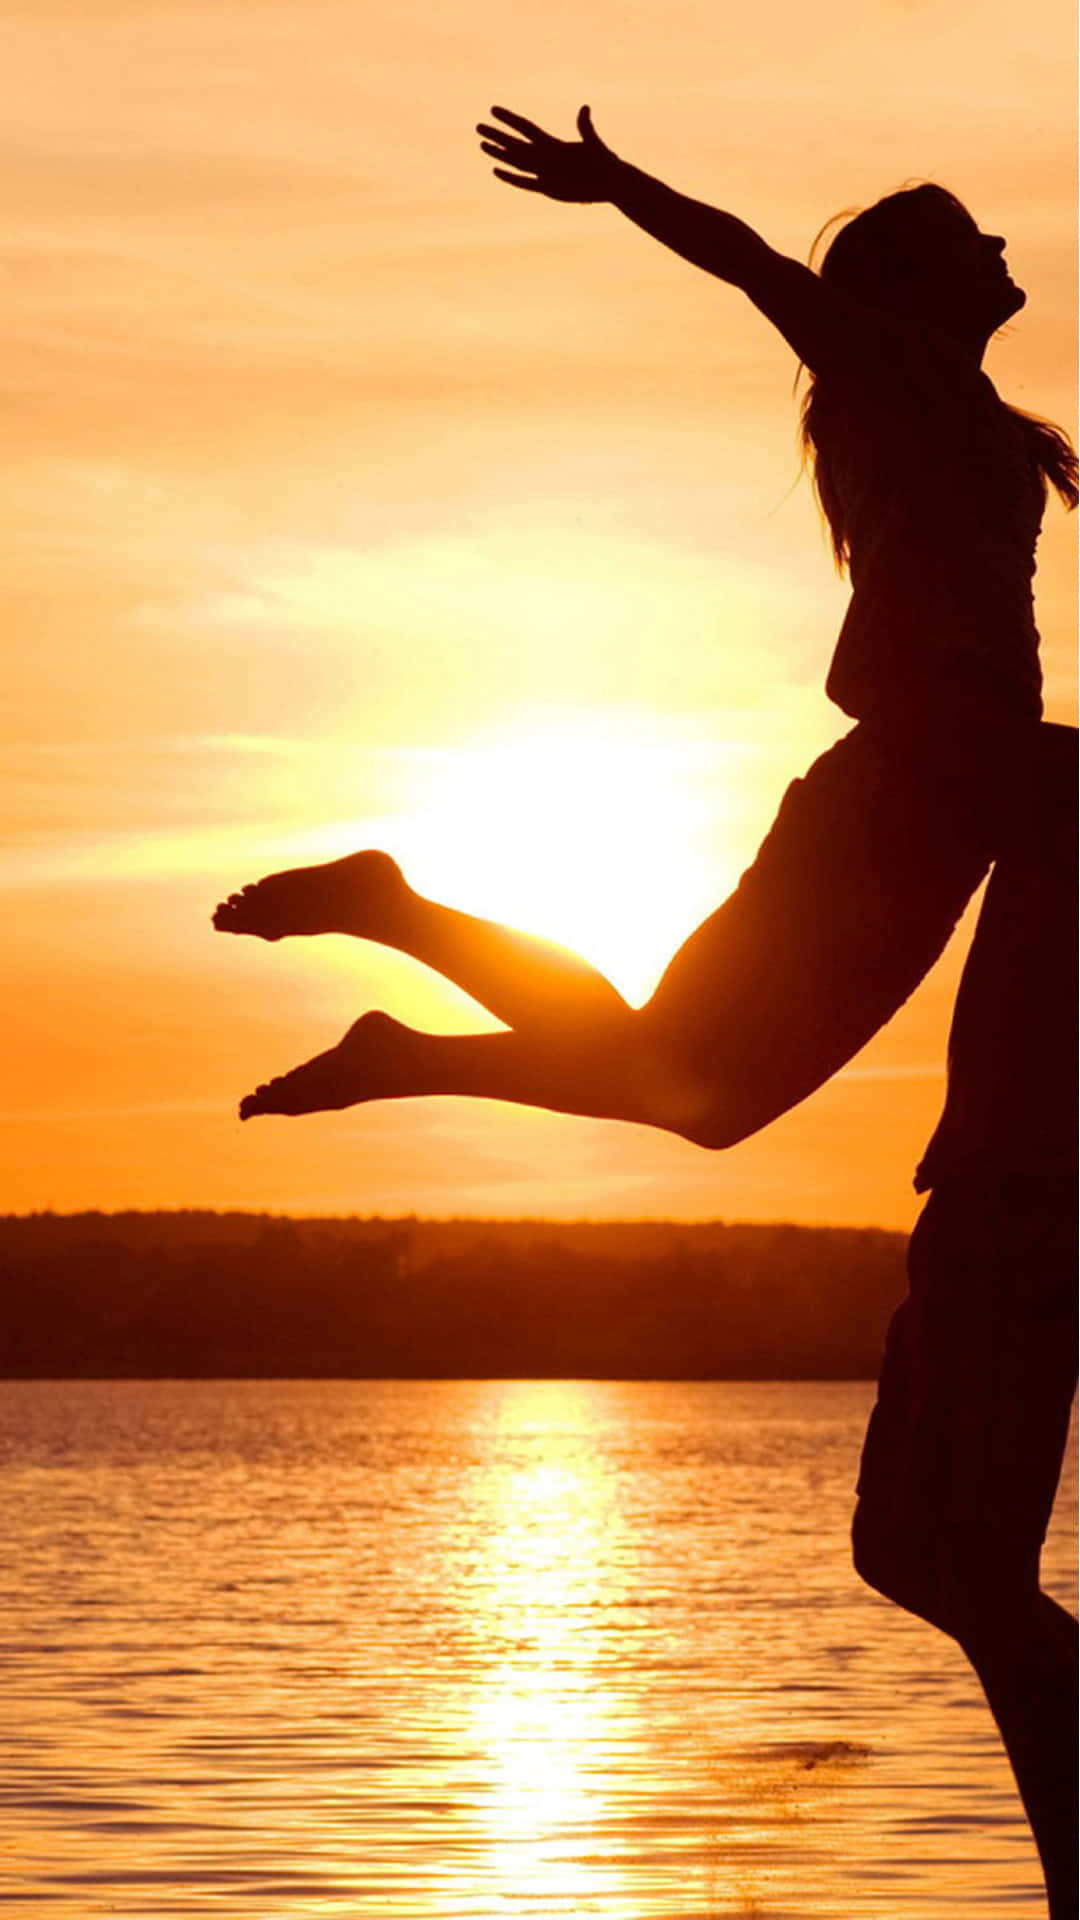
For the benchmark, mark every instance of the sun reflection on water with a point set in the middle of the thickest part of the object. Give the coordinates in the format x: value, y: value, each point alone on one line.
x: 542, y: 1715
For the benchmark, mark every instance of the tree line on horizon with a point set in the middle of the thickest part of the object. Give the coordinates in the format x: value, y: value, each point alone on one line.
x: 197, y: 1294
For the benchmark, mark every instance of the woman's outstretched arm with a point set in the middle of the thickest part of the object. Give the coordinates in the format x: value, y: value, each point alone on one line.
x: 816, y: 322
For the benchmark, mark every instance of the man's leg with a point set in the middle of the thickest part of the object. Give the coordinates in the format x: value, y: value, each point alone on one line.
x: 1024, y: 1649
x: 961, y: 1463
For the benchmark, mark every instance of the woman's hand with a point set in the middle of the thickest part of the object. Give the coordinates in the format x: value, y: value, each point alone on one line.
x: 575, y: 170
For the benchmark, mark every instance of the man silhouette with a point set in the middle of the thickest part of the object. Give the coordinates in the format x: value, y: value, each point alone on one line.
x: 965, y: 1444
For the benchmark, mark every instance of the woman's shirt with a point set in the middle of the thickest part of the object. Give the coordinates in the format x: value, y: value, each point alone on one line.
x: 944, y: 504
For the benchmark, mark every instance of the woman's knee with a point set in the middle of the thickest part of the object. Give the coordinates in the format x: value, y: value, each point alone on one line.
x: 690, y: 1105
x: 663, y: 1081
x: 683, y: 1089
x: 717, y: 1094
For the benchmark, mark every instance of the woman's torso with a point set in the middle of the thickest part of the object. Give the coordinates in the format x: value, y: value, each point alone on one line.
x: 943, y: 503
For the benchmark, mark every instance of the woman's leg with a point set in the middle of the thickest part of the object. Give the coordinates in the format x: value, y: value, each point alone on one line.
x: 612, y: 1071
x: 576, y: 1046
x: 525, y: 982
x: 851, y: 898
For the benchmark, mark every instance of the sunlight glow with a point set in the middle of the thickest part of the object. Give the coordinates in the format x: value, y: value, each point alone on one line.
x: 600, y: 832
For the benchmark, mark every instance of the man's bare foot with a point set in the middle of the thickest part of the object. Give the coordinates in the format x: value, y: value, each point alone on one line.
x: 359, y: 895
x: 371, y: 1063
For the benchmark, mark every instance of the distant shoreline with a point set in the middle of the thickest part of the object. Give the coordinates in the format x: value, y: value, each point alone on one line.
x: 555, y: 1222
x: 192, y: 1294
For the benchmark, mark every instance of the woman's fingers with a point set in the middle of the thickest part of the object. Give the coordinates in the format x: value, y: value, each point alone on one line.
x: 518, y: 152
x: 531, y: 168
x: 515, y: 120
x: 539, y: 163
x: 499, y: 133
x: 518, y: 180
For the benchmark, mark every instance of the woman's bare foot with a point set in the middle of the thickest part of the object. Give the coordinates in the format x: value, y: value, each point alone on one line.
x: 359, y: 895
x: 372, y: 1062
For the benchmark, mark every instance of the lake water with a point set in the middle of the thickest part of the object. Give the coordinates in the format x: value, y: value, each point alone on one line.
x: 474, y: 1649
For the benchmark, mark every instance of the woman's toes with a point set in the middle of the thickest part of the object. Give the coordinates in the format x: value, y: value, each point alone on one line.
x: 229, y: 913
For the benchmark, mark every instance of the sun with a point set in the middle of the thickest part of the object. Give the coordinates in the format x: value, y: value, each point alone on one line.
x: 598, y: 831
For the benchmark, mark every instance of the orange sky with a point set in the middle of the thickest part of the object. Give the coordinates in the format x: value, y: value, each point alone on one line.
x: 352, y: 499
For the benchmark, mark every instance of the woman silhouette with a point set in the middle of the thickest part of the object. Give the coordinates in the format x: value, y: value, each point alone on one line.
x: 933, y: 490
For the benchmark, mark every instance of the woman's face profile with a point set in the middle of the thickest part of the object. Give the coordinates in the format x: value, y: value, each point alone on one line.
x: 963, y: 280
x: 921, y: 253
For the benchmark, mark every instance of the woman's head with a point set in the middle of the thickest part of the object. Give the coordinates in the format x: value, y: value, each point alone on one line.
x: 919, y: 254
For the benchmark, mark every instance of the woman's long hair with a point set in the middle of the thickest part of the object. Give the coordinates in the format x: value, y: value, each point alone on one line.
x: 876, y: 258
